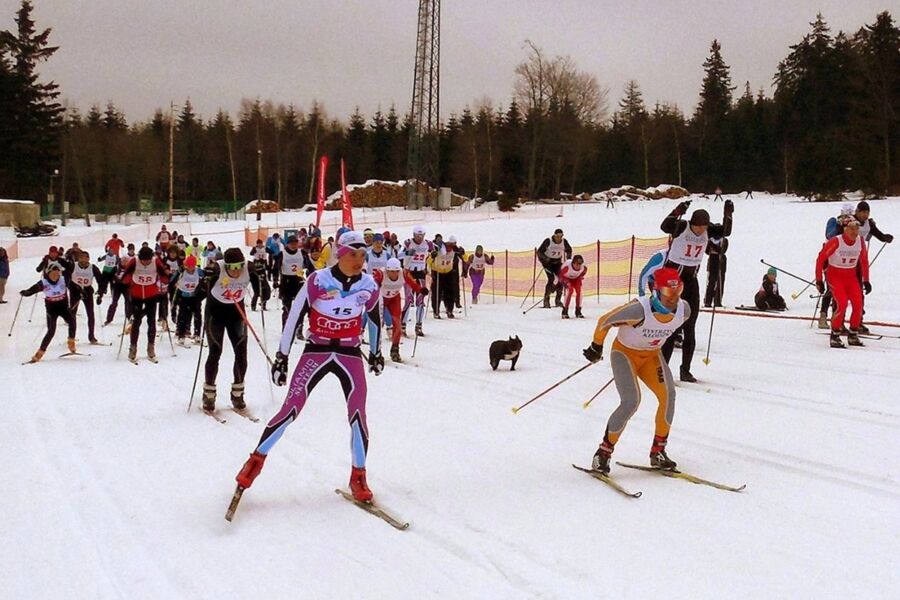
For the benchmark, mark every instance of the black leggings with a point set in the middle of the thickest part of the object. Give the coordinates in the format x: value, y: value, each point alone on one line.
x: 85, y: 296
x: 715, y: 281
x: 119, y: 290
x: 691, y: 295
x: 551, y: 269
x: 139, y: 310
x: 55, y: 310
x: 219, y: 319
x: 188, y: 308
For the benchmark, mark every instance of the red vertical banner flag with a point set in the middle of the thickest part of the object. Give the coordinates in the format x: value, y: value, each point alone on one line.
x: 347, y: 216
x: 320, y: 208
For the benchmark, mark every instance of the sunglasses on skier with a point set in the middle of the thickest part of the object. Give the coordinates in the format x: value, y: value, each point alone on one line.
x: 669, y: 292
x: 236, y: 266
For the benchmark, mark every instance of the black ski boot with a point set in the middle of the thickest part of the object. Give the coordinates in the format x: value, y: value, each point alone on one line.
x: 419, y: 330
x: 237, y: 396
x: 862, y: 329
x: 835, y: 339
x: 853, y: 338
x: 450, y: 315
x: 565, y: 313
x: 658, y: 457
x: 686, y: 376
x: 661, y: 460
x: 601, y: 460
x: 395, y: 353
x: 132, y: 353
x: 209, y: 397
x: 578, y: 314
x: 546, y: 302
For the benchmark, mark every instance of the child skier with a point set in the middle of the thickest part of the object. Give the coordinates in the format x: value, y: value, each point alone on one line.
x: 188, y: 299
x: 475, y: 270
x: 56, y: 302
x: 768, y: 298
x: 572, y: 276
x: 81, y: 289
x: 393, y: 282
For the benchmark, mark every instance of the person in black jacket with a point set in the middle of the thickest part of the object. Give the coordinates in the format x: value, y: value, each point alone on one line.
x: 81, y: 277
x: 689, y: 240
x: 551, y: 253
x: 715, y: 271
x: 56, y: 300
x: 768, y: 298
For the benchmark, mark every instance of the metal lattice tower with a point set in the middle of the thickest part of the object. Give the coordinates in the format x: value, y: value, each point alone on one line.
x: 422, y: 161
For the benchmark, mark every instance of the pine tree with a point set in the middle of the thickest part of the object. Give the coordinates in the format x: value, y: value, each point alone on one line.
x: 878, y: 48
x: 34, y: 120
x: 709, y: 123
x: 813, y: 89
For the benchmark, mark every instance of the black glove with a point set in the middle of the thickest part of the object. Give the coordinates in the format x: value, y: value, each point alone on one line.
x: 820, y: 285
x: 594, y: 352
x: 279, y: 369
x: 729, y: 207
x: 867, y: 287
x: 376, y: 363
x: 681, y: 208
x: 888, y: 238
x: 424, y: 291
x: 99, y: 299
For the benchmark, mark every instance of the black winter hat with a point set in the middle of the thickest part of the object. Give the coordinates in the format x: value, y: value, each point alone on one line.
x: 145, y: 254
x: 700, y: 217
x: 233, y: 255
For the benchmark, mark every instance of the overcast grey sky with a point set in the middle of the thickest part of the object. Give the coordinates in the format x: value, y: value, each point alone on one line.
x: 143, y: 53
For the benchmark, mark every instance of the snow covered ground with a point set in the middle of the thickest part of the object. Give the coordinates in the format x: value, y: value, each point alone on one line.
x: 114, y: 491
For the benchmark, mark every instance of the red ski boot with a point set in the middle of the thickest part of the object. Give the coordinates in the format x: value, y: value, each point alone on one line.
x: 358, y: 487
x: 251, y: 469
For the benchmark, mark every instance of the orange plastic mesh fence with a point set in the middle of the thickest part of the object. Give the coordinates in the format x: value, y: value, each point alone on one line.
x: 613, y: 269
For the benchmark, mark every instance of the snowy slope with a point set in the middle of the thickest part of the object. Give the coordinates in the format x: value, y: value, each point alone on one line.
x: 115, y: 491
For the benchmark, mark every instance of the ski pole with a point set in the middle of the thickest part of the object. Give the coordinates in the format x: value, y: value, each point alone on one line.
x: 883, y: 244
x: 786, y: 272
x: 424, y: 315
x: 553, y: 387
x: 797, y: 295
x: 531, y: 289
x: 465, y: 309
x: 240, y: 309
x: 122, y: 337
x: 713, y: 320
x: 171, y: 343
x: 262, y: 315
x: 493, y: 286
x: 813, y: 319
x: 16, y: 316
x: 588, y: 403
x: 33, y: 304
x: 525, y: 312
x: 199, y: 356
